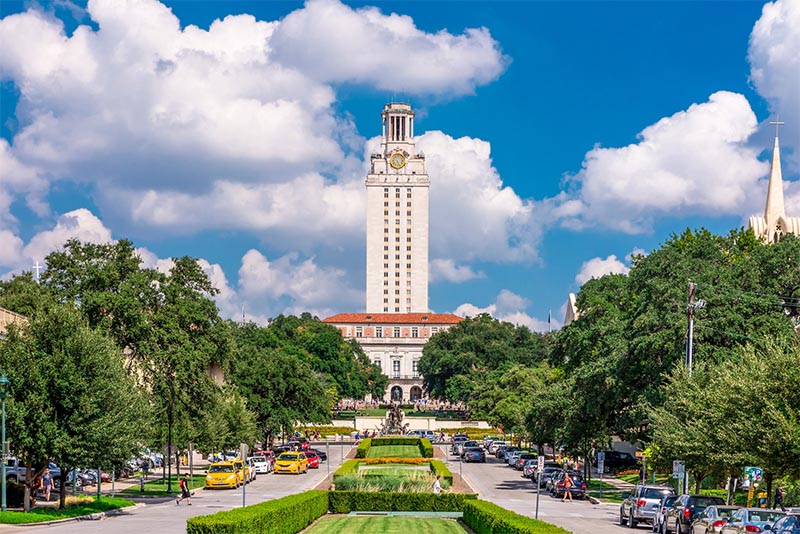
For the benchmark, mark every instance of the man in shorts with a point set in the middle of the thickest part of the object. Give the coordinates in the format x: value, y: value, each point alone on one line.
x: 185, y: 493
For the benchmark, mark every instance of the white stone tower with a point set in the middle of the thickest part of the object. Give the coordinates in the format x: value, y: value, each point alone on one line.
x: 397, y: 219
x: 774, y: 223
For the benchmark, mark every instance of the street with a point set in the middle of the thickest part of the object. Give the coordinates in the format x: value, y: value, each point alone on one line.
x: 504, y: 486
x: 167, y: 517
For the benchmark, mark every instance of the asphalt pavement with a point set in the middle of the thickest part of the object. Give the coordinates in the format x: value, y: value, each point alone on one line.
x: 167, y: 517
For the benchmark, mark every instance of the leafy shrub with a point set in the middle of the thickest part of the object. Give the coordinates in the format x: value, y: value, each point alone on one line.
x: 419, y: 482
x: 425, y: 448
x: 439, y: 468
x: 348, y: 468
x: 15, y: 494
x: 344, y: 502
x: 484, y: 517
x: 395, y: 440
x: 363, y: 448
x: 281, y: 516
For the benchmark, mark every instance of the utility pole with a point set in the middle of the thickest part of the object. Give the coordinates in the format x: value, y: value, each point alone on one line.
x: 692, y: 306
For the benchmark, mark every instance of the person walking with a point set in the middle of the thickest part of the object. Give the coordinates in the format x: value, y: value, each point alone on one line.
x: 779, y: 495
x: 47, y: 483
x: 568, y: 483
x: 437, y: 484
x: 185, y: 493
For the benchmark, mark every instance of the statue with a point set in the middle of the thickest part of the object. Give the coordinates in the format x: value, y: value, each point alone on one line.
x: 394, y: 421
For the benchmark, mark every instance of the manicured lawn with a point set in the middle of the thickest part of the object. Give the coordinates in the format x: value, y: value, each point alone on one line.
x: 637, y: 479
x: 84, y: 506
x: 158, y: 486
x: 608, y: 496
x: 394, y: 451
x: 594, y: 484
x: 385, y: 525
x: 395, y: 471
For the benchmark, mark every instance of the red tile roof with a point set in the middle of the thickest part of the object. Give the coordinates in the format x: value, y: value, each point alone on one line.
x: 395, y: 318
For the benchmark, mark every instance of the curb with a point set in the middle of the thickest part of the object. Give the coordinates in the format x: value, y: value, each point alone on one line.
x: 90, y: 517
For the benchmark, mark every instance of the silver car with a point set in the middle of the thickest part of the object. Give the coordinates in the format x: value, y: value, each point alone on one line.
x: 642, y: 505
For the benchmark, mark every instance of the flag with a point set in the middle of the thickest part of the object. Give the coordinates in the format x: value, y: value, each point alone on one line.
x: 549, y: 320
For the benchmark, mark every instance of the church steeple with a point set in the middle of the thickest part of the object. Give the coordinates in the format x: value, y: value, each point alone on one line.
x: 775, y: 211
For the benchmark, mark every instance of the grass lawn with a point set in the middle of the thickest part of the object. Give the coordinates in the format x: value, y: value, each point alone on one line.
x: 637, y: 479
x: 83, y: 506
x: 395, y: 471
x: 385, y: 525
x: 394, y: 451
x: 608, y: 496
x: 158, y: 486
x: 594, y: 484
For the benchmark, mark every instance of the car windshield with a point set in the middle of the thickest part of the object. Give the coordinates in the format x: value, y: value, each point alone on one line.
x: 726, y: 512
x: 220, y: 469
x: 656, y: 493
x: 704, y: 502
x: 765, y: 517
x: 290, y: 457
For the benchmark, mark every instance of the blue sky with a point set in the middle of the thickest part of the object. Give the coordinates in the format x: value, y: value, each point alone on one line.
x: 561, y: 137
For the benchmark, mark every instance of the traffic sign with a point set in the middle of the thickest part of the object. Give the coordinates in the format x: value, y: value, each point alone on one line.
x: 678, y: 468
x: 601, y: 461
x: 753, y: 474
x: 540, y: 463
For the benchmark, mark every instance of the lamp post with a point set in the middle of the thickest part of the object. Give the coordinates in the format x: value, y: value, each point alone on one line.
x: 3, y: 392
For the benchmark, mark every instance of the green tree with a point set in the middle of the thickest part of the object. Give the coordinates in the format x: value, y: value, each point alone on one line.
x: 70, y: 398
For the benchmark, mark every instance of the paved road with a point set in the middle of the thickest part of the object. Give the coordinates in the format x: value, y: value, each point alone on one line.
x: 506, y: 487
x: 167, y: 518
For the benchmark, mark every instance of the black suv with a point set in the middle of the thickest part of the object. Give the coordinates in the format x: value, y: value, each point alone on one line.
x: 686, y: 509
x: 617, y: 461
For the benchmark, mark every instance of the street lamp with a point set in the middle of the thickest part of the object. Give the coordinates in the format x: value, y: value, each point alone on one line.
x: 3, y: 392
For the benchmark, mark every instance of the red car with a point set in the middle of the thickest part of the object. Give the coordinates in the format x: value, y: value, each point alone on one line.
x: 313, y: 459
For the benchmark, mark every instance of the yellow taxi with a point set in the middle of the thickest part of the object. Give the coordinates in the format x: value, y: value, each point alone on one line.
x: 224, y: 475
x: 291, y: 462
x: 243, y: 470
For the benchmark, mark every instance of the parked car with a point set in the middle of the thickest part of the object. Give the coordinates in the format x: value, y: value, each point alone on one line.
x: 313, y: 459
x: 475, y: 454
x: 464, y: 445
x: 493, y: 446
x: 578, y: 485
x: 686, y: 509
x: 262, y: 464
x: 747, y: 520
x: 529, y: 468
x: 223, y: 475
x: 323, y: 456
x: 519, y: 463
x: 252, y: 471
x: 642, y: 505
x: 547, y: 473
x: 458, y: 439
x: 661, y: 514
x: 487, y: 440
x: 505, y: 449
x: 291, y: 462
x: 617, y: 461
x: 511, y: 457
x: 787, y: 525
x: 712, y: 519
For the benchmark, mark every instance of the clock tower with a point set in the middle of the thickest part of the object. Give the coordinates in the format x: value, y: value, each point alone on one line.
x: 397, y: 219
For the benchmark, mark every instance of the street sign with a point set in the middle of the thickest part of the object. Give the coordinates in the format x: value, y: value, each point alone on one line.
x: 678, y: 469
x: 540, y: 463
x: 601, y: 462
x: 752, y: 474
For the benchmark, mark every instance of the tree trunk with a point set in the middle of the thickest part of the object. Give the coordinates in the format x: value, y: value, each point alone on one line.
x: 731, y: 489
x: 62, y: 489
x: 769, y: 477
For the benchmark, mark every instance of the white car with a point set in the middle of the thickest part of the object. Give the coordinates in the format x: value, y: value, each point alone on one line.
x: 253, y: 471
x: 495, y: 444
x: 262, y: 464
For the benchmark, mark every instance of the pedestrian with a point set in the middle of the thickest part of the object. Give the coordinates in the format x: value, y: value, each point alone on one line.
x: 779, y: 495
x: 437, y: 484
x: 185, y: 493
x: 47, y: 483
x: 145, y: 467
x: 568, y: 483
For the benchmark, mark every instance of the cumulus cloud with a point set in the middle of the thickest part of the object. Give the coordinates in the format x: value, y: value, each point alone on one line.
x: 215, y: 114
x: 449, y: 271
x: 474, y: 215
x: 694, y: 162
x: 18, y: 179
x: 774, y: 56
x: 597, y: 267
x: 510, y: 307
x: 371, y: 41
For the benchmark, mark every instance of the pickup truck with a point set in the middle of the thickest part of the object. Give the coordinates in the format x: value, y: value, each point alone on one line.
x: 18, y: 473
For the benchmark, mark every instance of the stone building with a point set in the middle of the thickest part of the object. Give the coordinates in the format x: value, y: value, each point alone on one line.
x: 397, y: 323
x: 774, y: 223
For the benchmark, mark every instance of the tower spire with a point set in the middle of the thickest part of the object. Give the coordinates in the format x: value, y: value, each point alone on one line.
x: 774, y: 210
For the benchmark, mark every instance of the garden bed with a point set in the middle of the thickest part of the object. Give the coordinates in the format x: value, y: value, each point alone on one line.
x: 385, y: 524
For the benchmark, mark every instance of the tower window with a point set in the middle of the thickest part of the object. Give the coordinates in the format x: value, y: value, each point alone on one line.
x: 408, y: 204
x: 397, y: 204
x: 397, y: 310
x: 408, y: 213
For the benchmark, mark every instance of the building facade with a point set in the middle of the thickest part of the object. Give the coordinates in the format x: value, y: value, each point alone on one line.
x: 397, y: 324
x: 394, y: 341
x: 397, y: 219
x: 774, y: 223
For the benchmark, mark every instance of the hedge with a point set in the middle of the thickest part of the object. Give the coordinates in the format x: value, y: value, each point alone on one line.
x: 349, y: 467
x: 484, y: 517
x: 439, y: 468
x: 426, y: 448
x: 344, y: 502
x: 363, y: 448
x: 280, y: 516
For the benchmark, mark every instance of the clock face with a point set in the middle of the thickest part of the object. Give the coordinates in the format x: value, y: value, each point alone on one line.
x: 397, y: 160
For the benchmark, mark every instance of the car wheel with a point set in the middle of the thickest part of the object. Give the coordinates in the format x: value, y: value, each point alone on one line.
x: 631, y: 521
x: 622, y: 520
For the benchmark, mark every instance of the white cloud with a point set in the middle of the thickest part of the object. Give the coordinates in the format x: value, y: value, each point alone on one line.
x: 774, y: 56
x: 80, y: 224
x: 16, y: 178
x: 597, y: 267
x: 213, y: 120
x: 316, y: 38
x: 693, y: 162
x: 449, y: 271
x: 473, y: 215
x: 510, y: 307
